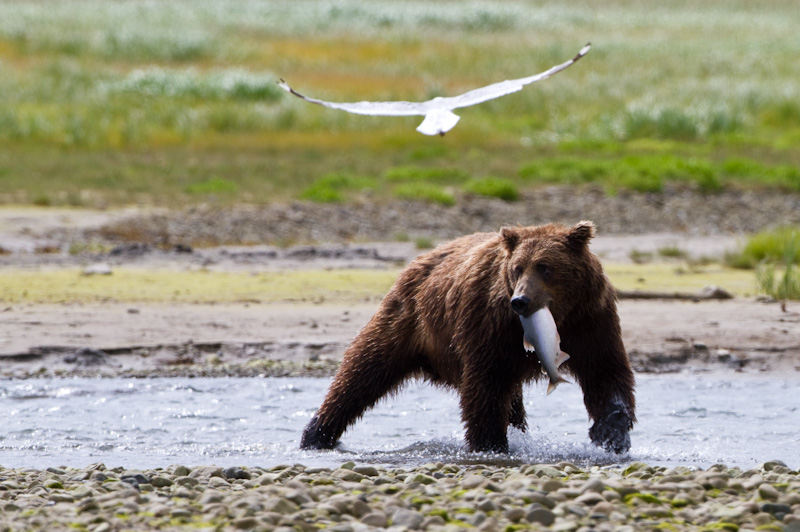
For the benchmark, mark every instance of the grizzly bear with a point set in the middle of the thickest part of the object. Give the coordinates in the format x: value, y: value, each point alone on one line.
x: 453, y: 318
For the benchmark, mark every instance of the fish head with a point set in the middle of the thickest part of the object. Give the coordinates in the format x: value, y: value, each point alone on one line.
x: 544, y: 267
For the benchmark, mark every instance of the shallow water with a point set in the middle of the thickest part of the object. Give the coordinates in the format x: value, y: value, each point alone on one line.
x: 694, y: 420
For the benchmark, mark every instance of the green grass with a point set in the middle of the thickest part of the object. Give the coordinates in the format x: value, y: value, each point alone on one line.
x: 131, y: 284
x: 406, y: 174
x: 775, y: 246
x: 425, y: 192
x: 116, y: 103
x: 776, y: 256
x: 423, y: 243
x: 213, y: 186
x: 779, y: 283
x: 642, y: 173
x: 672, y: 251
x: 333, y: 188
x: 494, y: 187
x: 640, y: 257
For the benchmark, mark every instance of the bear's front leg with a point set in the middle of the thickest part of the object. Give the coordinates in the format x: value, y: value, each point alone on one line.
x: 599, y: 362
x: 611, y: 430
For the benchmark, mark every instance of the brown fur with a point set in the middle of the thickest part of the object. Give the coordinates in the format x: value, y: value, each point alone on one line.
x: 448, y: 318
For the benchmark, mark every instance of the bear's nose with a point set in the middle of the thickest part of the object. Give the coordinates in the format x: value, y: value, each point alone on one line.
x: 520, y: 304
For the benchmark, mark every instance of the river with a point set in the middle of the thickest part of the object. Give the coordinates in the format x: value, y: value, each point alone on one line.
x: 684, y: 419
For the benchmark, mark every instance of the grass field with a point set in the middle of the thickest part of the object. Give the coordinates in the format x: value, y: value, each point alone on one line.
x: 131, y: 284
x: 125, y: 102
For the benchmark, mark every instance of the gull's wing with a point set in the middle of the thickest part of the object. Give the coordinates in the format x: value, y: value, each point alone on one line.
x: 472, y: 97
x: 438, y: 118
x: 368, y: 108
x: 502, y: 88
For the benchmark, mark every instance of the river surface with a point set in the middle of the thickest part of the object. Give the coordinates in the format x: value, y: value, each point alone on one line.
x: 694, y: 420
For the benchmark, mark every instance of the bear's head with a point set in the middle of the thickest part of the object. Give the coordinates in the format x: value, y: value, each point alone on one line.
x: 549, y: 265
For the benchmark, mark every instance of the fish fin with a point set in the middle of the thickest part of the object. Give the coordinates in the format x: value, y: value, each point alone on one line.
x: 553, y: 384
x: 561, y: 358
x: 527, y: 345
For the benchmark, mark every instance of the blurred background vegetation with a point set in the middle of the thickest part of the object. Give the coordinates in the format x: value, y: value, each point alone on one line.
x: 173, y: 103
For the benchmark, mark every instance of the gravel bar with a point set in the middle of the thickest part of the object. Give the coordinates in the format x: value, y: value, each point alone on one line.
x: 436, y: 496
x: 675, y: 210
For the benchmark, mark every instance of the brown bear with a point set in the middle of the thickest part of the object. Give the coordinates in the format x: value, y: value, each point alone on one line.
x: 453, y: 318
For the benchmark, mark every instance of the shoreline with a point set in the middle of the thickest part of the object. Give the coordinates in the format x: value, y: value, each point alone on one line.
x: 305, y: 339
x: 563, y: 497
x: 192, y: 360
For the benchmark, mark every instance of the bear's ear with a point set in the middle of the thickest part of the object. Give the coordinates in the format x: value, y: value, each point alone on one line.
x: 580, y: 235
x: 510, y: 238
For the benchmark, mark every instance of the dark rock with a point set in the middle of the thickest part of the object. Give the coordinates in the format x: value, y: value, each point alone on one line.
x: 541, y: 516
x: 133, y: 249
x: 776, y: 509
x: 135, y: 479
x: 714, y: 292
x: 86, y: 357
x: 235, y: 473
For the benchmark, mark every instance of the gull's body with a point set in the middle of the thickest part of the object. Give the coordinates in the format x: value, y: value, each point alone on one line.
x: 439, y: 118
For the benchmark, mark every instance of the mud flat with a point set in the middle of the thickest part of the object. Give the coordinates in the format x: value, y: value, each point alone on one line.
x: 114, y: 339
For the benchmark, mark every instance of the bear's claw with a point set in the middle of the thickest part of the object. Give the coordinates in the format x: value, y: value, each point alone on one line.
x: 611, y: 432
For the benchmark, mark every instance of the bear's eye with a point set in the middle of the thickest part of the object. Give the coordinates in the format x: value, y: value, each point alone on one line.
x: 544, y: 270
x: 517, y: 270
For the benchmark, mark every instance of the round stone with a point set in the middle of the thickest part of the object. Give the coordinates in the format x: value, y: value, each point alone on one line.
x: 541, y: 516
x: 768, y: 491
x: 375, y: 519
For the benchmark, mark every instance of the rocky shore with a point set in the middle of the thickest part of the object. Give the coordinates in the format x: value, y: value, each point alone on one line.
x: 679, y: 210
x: 563, y: 497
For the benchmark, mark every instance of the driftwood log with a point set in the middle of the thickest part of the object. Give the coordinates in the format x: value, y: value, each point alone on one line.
x: 707, y: 293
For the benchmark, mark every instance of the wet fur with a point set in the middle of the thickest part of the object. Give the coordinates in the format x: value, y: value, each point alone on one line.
x: 448, y: 319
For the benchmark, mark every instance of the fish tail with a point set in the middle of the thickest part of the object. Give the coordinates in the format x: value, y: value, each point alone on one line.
x: 554, y: 383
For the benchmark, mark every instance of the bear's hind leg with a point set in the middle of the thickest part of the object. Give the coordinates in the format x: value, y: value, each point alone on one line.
x: 486, y: 410
x: 368, y: 373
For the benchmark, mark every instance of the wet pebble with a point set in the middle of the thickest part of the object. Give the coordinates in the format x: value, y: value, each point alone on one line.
x: 768, y: 491
x: 541, y: 516
x: 350, y: 498
x: 407, y: 518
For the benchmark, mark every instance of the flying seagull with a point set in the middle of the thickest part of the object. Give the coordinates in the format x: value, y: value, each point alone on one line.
x: 439, y: 118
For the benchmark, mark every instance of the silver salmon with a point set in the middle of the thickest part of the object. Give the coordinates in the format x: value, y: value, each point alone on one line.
x: 541, y: 335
